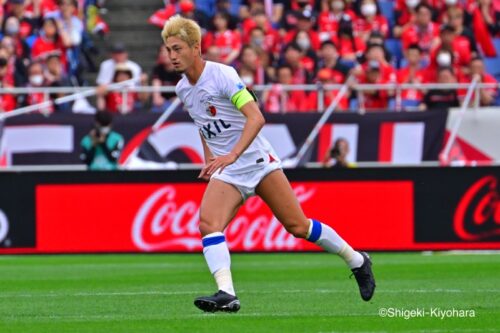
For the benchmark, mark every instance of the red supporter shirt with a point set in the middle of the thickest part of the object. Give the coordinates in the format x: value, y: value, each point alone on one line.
x: 347, y: 47
x: 114, y: 102
x: 461, y: 52
x: 328, y: 23
x: 282, y: 102
x: 379, y: 23
x: 328, y: 98
x: 380, y: 100
x: 486, y: 78
x: 226, y: 41
x: 404, y: 75
x: 388, y: 73
x: 43, y: 47
x: 424, y: 39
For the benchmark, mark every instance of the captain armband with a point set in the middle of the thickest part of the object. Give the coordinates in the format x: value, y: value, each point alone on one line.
x: 242, y: 97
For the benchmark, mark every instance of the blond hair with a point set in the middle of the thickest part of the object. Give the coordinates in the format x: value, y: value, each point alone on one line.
x: 187, y: 30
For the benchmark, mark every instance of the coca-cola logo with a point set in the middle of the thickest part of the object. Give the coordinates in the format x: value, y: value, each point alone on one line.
x: 477, y: 216
x: 4, y: 226
x: 164, y: 222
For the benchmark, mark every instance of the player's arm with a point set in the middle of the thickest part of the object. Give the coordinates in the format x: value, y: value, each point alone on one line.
x: 244, y: 101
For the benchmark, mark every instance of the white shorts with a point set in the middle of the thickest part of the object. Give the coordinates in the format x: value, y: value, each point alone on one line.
x: 248, y: 181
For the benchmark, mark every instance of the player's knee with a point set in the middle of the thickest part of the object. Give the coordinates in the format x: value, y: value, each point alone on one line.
x: 297, y: 229
x: 208, y: 225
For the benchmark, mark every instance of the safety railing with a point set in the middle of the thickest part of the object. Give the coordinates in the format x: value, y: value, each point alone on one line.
x: 124, y: 88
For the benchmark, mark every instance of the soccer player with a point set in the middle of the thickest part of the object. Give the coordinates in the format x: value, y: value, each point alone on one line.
x: 239, y: 163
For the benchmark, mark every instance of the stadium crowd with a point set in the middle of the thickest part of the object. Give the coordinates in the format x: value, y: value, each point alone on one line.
x: 45, y: 43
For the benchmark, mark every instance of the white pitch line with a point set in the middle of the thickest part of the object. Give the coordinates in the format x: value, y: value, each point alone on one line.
x: 291, y: 291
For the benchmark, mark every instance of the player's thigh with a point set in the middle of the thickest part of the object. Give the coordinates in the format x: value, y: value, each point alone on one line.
x: 278, y: 194
x: 219, y: 205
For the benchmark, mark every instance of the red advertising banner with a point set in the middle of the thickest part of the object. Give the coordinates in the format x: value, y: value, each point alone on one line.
x: 164, y: 217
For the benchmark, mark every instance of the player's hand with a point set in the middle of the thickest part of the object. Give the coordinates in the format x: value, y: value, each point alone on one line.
x: 217, y: 163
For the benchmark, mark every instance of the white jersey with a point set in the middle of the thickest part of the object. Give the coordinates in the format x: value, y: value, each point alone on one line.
x: 219, y: 121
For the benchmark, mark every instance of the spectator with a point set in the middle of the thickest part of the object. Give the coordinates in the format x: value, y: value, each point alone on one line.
x: 187, y: 8
x: 376, y: 99
x: 224, y: 6
x: 441, y: 99
x: 302, y: 66
x: 370, y: 20
x: 487, y: 96
x: 414, y: 73
x: 116, y: 101
x: 212, y: 53
x: 327, y: 76
x: 305, y: 25
x: 16, y: 66
x: 12, y: 30
x: 443, y: 58
x: 73, y: 27
x: 297, y: 9
x: 7, y: 101
x: 119, y: 55
x: 350, y: 47
x: 36, y: 80
x: 456, y: 19
x: 163, y: 75
x: 329, y: 20
x: 485, y: 24
x: 337, y: 156
x: 277, y: 100
x: 270, y: 40
x: 423, y: 32
x: 28, y: 24
x: 52, y: 39
x: 250, y: 63
x: 458, y: 45
x: 303, y: 40
x: 228, y: 41
x: 55, y: 73
x: 376, y: 52
x: 405, y: 13
x: 329, y: 58
x: 102, y: 147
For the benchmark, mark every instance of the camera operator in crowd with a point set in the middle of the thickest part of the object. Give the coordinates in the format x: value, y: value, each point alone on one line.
x: 101, y: 148
x: 337, y: 156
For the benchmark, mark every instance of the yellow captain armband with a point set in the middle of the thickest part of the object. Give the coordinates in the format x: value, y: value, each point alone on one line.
x: 242, y: 97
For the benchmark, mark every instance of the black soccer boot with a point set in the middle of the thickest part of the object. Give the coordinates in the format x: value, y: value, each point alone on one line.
x: 364, y: 277
x: 220, y: 301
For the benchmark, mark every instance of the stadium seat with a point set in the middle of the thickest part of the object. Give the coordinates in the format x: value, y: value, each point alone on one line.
x: 387, y: 9
x: 493, y: 66
x: 496, y: 42
x: 395, y: 47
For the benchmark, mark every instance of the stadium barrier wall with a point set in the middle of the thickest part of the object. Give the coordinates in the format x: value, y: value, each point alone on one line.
x: 379, y: 136
x: 386, y: 209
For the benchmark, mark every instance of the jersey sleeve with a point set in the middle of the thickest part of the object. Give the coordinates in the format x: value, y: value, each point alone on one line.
x: 229, y: 82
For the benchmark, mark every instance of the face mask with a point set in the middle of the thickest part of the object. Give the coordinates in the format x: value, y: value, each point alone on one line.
x: 304, y: 44
x: 412, y: 3
x: 105, y: 130
x: 258, y: 41
x: 451, y: 2
x: 247, y: 80
x: 444, y: 59
x: 338, y: 5
x: 36, y: 80
x: 369, y: 9
x: 11, y: 29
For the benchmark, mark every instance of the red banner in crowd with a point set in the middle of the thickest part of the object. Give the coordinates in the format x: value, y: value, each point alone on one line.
x: 155, y: 217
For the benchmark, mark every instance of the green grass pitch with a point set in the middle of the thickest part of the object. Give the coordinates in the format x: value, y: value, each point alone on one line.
x: 278, y: 292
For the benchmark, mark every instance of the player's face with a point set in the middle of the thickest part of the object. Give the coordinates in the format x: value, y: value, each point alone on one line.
x: 180, y: 53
